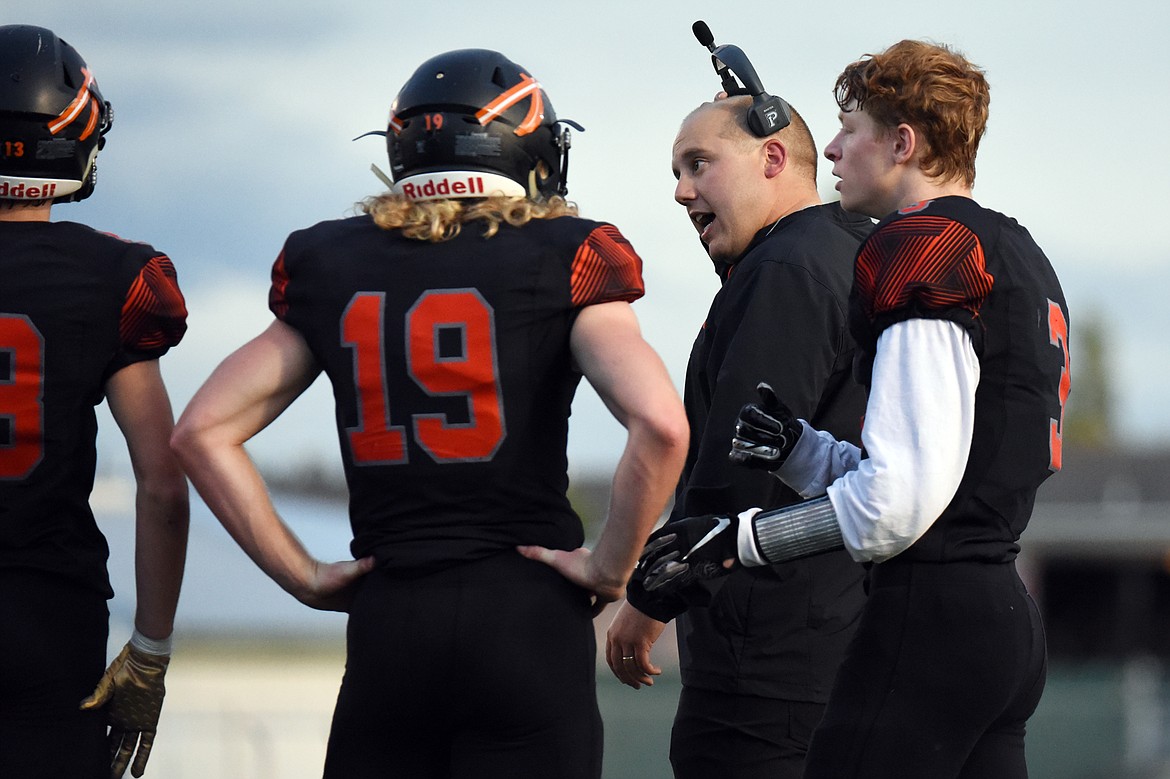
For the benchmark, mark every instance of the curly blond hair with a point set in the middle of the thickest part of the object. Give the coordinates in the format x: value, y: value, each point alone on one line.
x: 930, y: 87
x: 442, y: 220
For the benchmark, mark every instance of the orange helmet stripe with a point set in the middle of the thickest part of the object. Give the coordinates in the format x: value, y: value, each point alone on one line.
x: 75, y: 107
x: 528, y: 87
x: 90, y: 125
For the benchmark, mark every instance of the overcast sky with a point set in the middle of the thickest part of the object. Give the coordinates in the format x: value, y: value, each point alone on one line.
x: 234, y: 126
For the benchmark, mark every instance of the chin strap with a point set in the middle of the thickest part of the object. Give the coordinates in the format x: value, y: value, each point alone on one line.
x: 381, y: 176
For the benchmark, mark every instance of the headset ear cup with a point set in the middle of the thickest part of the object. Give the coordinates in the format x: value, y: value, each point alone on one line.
x: 768, y: 115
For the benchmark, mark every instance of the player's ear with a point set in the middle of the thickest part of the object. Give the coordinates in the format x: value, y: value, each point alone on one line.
x: 905, y: 142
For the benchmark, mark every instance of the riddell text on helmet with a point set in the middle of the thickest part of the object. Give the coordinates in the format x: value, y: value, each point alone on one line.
x: 444, y: 188
x: 22, y: 192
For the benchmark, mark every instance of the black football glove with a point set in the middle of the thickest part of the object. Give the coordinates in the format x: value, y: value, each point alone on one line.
x: 681, y: 552
x: 765, y: 432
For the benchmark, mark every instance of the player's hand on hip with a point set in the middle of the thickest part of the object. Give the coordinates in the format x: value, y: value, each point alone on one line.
x: 628, y: 642
x: 687, y: 550
x: 131, y: 692
x: 334, y: 584
x: 765, y: 432
x: 575, y: 566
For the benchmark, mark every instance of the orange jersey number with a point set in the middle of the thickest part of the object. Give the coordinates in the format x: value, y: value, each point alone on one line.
x: 469, y: 369
x: 1058, y: 337
x: 21, y: 387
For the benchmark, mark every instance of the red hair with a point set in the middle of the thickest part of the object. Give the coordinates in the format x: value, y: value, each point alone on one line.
x: 930, y: 87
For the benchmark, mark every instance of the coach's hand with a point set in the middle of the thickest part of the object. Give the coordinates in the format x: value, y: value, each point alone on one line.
x: 131, y: 690
x: 686, y: 550
x: 628, y: 642
x: 765, y: 432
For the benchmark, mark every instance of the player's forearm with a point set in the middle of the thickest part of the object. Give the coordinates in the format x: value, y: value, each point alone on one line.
x: 817, y: 460
x: 248, y: 390
x: 642, y: 485
x: 160, y: 551
x: 234, y: 490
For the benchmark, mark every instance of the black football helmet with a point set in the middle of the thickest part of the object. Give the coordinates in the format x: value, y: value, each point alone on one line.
x: 471, y: 123
x: 53, y: 119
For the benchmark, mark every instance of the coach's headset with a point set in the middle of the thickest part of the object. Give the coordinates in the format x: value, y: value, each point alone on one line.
x: 768, y: 114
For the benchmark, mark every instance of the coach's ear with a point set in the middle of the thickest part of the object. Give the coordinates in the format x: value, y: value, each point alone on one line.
x: 775, y: 157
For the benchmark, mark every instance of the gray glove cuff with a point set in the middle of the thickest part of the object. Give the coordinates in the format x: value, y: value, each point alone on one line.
x: 151, y: 646
x: 797, y: 531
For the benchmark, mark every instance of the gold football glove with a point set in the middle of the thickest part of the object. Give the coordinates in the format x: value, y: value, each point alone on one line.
x: 132, y: 692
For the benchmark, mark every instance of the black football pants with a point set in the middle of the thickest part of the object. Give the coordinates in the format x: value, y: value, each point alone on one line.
x: 52, y: 654
x: 947, y: 664
x: 484, y: 670
x: 719, y: 735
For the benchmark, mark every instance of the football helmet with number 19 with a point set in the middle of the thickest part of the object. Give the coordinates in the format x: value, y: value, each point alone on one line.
x: 471, y: 123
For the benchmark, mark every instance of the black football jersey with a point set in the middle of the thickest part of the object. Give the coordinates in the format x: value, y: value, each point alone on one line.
x: 780, y: 316
x: 452, y: 375
x: 76, y: 306
x: 952, y: 259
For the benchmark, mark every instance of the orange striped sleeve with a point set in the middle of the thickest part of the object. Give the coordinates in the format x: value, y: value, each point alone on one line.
x: 277, y: 300
x: 154, y: 314
x: 605, y: 268
x: 925, y: 262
